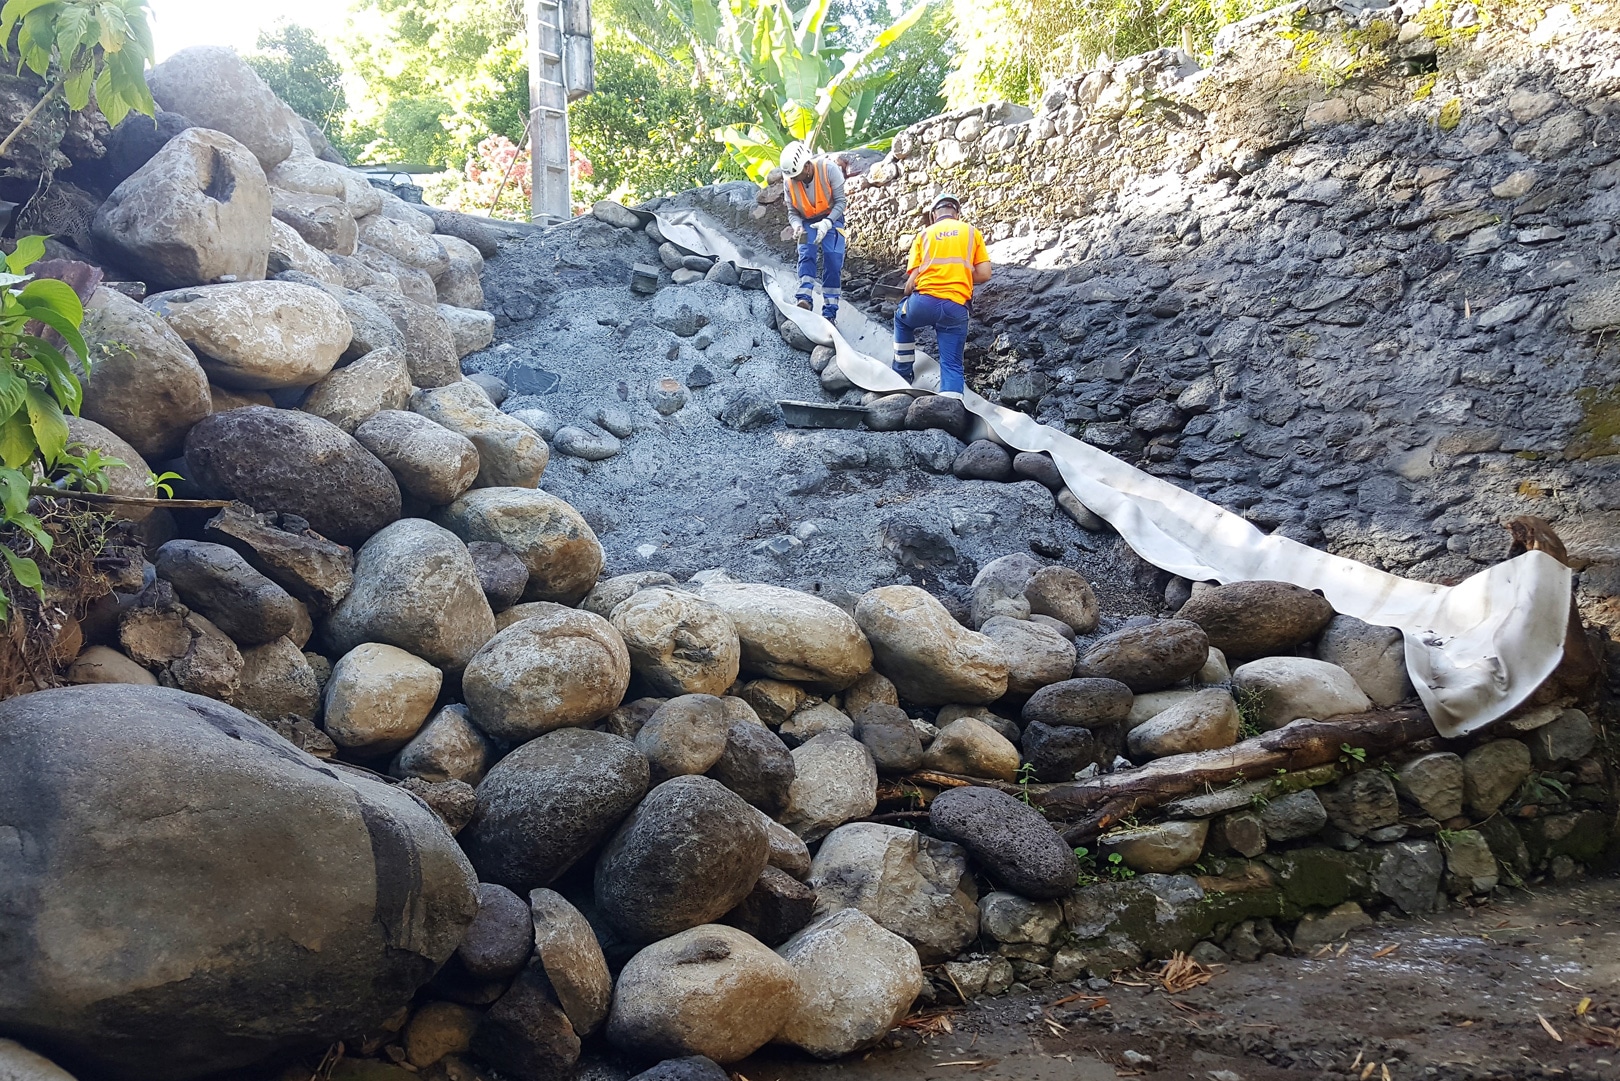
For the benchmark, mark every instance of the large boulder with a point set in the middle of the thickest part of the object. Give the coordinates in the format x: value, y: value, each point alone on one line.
x: 219, y: 583
x: 1084, y: 703
x: 258, y: 335
x: 710, y: 990
x: 552, y: 538
x: 998, y: 589
x: 1063, y: 594
x: 969, y: 747
x: 1037, y: 655
x: 685, y: 736
x: 284, y: 460
x: 399, y: 240
x: 144, y: 385
x: 567, y: 669
x: 679, y: 643
x: 932, y: 659
x: 915, y: 885
x: 351, y: 395
x: 1287, y: 688
x: 609, y: 593
x: 834, y: 781
x: 509, y: 451
x: 686, y: 856
x: 378, y: 697
x: 573, y: 960
x: 1205, y: 721
x: 216, y: 88
x: 330, y: 897
x: 1257, y: 619
x: 1374, y: 656
x: 856, y: 982
x: 198, y: 212
x: 791, y: 635
x: 430, y: 461
x: 324, y: 223
x: 777, y: 907
x: 1009, y: 838
x: 126, y: 479
x: 448, y: 748
x: 526, y: 1034
x: 430, y: 346
x: 755, y: 764
x: 548, y: 803
x: 278, y: 684
x: 1148, y: 658
x: 415, y: 587
x: 17, y: 1063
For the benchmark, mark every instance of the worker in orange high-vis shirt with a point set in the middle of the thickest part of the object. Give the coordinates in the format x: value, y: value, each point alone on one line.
x: 948, y: 259
x: 815, y: 204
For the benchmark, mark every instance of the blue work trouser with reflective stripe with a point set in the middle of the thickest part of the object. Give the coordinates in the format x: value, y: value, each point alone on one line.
x: 950, y: 322
x: 832, y: 268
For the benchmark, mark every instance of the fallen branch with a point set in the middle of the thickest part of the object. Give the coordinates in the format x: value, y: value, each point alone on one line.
x: 131, y: 500
x: 1100, y: 802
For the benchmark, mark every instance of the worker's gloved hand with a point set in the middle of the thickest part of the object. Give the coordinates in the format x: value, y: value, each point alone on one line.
x: 823, y: 227
x: 799, y: 233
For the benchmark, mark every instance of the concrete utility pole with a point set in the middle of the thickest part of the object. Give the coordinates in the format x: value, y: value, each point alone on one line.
x: 562, y: 68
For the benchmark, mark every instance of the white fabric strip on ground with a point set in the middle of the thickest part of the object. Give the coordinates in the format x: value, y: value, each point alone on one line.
x: 1475, y: 650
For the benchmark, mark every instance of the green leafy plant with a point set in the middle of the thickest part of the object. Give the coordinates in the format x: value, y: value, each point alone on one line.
x: 80, y: 45
x: 159, y: 483
x: 1349, y: 754
x: 37, y: 388
x: 1026, y: 774
x: 1088, y: 867
x: 805, y: 88
x: 1250, y: 703
x: 1116, y: 868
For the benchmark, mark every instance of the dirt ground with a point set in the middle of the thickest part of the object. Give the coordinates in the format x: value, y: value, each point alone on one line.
x: 1524, y: 987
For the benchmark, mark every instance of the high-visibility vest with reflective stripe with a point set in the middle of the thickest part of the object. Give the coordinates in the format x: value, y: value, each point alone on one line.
x: 947, y: 252
x: 813, y: 200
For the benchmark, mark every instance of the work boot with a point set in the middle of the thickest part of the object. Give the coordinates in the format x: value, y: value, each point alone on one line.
x: 806, y: 303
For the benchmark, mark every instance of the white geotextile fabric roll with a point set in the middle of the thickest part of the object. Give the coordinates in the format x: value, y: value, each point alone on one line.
x: 1475, y: 650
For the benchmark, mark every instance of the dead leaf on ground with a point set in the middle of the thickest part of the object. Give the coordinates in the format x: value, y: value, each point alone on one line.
x: 932, y: 1023
x: 1546, y: 1024
x: 1386, y: 951
x: 1182, y: 973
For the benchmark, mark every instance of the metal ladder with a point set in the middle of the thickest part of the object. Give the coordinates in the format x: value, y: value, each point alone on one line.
x: 548, y: 114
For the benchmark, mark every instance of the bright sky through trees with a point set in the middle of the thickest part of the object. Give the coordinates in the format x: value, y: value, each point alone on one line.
x: 177, y: 24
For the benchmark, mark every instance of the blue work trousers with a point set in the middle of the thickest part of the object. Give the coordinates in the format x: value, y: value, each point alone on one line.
x: 832, y: 268
x: 950, y: 322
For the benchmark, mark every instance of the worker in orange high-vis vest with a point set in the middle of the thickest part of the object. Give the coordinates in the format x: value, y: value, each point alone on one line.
x: 948, y: 259
x: 815, y: 205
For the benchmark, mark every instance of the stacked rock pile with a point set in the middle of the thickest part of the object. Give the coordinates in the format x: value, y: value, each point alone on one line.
x: 376, y: 754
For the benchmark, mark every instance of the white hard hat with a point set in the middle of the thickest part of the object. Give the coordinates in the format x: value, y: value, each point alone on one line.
x: 795, y: 156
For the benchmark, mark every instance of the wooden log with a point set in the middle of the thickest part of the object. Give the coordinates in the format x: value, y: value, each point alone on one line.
x: 1101, y: 802
x: 113, y: 499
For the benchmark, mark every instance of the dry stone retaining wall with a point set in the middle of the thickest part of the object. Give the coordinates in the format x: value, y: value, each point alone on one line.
x: 1372, y: 317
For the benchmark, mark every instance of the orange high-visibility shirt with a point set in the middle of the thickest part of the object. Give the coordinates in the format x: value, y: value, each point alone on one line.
x: 815, y: 199
x: 947, y: 251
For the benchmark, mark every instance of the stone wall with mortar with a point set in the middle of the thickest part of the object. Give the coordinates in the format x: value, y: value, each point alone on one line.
x: 1368, y: 304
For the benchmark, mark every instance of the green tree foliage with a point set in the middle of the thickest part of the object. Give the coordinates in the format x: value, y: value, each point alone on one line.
x: 301, y: 70
x: 646, y: 130
x: 920, y: 59
x: 80, y: 45
x: 441, y: 75
x: 1009, y: 47
x: 805, y: 88
x: 841, y: 77
x: 37, y: 388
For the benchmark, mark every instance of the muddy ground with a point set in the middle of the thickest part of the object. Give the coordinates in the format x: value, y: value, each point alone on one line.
x: 1456, y: 996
